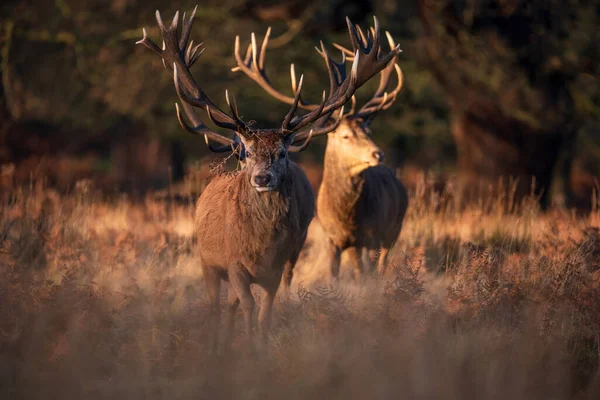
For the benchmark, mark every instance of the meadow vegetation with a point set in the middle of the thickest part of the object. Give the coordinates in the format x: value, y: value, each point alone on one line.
x: 102, y: 297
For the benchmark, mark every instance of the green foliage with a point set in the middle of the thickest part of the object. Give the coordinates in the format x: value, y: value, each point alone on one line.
x: 75, y: 65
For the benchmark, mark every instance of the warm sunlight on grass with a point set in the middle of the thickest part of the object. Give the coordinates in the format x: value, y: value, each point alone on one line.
x: 103, y: 298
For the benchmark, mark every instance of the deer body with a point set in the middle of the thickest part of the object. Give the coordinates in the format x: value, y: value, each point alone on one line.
x: 236, y: 225
x: 246, y: 237
x: 361, y: 203
x: 251, y: 225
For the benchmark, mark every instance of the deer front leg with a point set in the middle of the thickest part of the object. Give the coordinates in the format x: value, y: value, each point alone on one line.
x: 355, y: 259
x: 240, y: 282
x: 264, y: 316
x: 373, y: 257
x: 332, y: 259
x: 232, y: 305
x: 212, y: 282
x: 382, y: 262
x: 288, y: 271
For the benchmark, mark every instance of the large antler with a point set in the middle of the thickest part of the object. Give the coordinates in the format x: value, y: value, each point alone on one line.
x: 200, y: 129
x: 366, y: 64
x: 253, y: 65
x: 178, y: 55
x: 381, y: 100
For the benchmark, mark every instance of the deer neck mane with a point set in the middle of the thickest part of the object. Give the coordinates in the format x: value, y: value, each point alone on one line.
x: 341, y: 186
x: 267, y: 209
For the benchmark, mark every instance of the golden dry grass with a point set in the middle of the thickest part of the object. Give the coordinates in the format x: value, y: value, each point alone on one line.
x: 102, y: 298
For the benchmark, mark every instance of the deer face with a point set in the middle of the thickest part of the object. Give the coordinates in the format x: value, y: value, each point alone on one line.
x: 265, y: 157
x: 351, y: 143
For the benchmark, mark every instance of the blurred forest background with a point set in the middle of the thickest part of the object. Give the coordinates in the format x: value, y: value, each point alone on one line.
x: 493, y: 88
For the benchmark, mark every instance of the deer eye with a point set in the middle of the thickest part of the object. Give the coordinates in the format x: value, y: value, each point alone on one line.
x: 247, y: 154
x: 282, y: 154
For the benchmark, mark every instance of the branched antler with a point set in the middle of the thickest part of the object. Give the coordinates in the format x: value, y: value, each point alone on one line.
x: 381, y: 100
x: 366, y: 63
x: 178, y: 55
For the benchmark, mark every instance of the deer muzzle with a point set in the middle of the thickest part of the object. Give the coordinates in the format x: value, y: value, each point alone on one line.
x: 264, y: 182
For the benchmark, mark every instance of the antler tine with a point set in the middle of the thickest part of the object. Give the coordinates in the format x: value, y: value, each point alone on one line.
x: 233, y: 109
x: 193, y: 53
x: 288, y: 118
x: 382, y: 100
x: 219, y: 149
x: 376, y: 35
x: 354, y: 38
x: 352, y: 110
x: 335, y: 100
x: 366, y: 63
x: 371, y: 63
x: 263, y: 49
x: 159, y: 21
x: 297, y: 123
x: 374, y: 103
x: 390, y: 39
x: 176, y: 53
x: 344, y: 51
x: 293, y: 78
x: 175, y: 21
x: 253, y: 65
x: 149, y: 43
x: 323, y: 128
x: 200, y: 129
x: 297, y: 149
x: 336, y: 71
x: 255, y: 51
x: 186, y: 29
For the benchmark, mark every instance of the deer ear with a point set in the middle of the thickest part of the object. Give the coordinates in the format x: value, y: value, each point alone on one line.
x: 289, y: 139
x: 241, y: 155
x: 241, y: 147
x: 367, y: 121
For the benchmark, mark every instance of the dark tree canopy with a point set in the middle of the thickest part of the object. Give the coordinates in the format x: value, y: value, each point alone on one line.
x: 491, y: 87
x: 513, y: 72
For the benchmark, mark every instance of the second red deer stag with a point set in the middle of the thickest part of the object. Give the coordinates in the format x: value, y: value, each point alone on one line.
x: 361, y: 203
x: 251, y: 223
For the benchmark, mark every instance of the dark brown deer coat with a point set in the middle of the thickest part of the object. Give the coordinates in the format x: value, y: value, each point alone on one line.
x: 361, y: 204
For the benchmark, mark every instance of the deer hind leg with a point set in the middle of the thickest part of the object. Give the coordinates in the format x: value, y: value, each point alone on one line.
x: 264, y: 316
x: 240, y: 282
x: 233, y: 302
x: 355, y: 258
x: 213, y: 289
x: 372, y: 258
x: 383, y: 258
x: 332, y: 259
x: 288, y: 271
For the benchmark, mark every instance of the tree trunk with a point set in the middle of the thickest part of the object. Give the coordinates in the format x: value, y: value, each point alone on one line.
x: 511, y: 109
x: 496, y: 152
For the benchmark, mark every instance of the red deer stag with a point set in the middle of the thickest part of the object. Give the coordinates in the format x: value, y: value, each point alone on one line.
x: 251, y: 223
x: 361, y: 204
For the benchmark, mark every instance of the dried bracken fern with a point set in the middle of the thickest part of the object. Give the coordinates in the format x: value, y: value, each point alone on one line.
x: 103, y: 298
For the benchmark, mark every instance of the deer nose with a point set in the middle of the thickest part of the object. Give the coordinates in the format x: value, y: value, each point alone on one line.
x: 262, y: 180
x: 379, y: 155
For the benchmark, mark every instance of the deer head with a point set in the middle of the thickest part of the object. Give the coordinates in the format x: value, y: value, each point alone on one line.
x: 264, y: 152
x: 351, y: 138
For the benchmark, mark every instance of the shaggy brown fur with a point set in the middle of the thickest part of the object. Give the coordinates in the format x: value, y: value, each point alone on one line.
x: 361, y: 203
x: 246, y: 237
